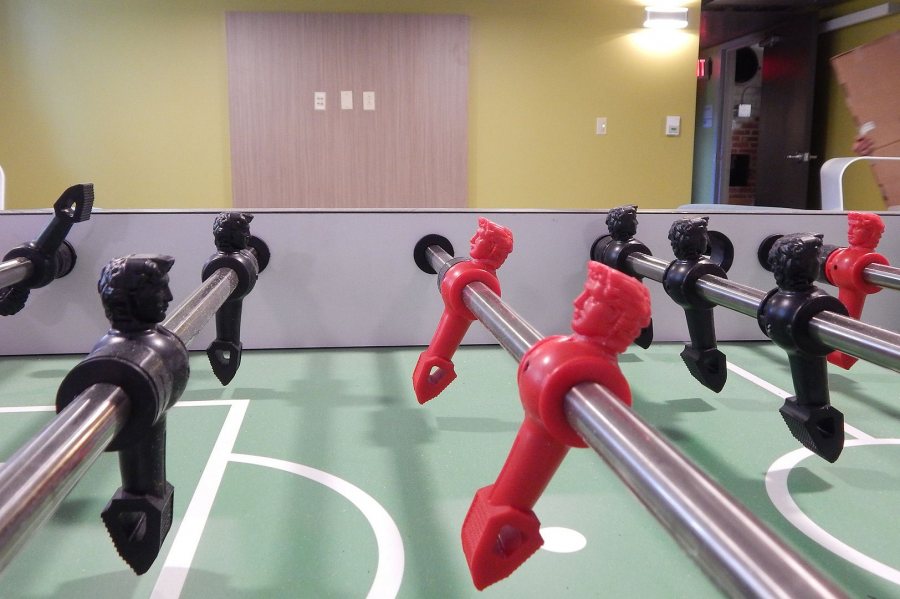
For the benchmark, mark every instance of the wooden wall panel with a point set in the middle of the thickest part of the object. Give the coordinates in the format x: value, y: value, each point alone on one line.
x: 411, y: 151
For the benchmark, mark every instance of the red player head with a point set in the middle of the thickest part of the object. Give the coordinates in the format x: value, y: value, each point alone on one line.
x: 864, y: 229
x: 612, y: 309
x: 491, y: 244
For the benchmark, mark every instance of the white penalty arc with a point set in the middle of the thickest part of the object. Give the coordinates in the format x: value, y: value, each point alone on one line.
x: 777, y: 488
x: 391, y: 558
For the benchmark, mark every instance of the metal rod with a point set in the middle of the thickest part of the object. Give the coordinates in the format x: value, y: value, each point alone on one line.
x: 646, y: 266
x: 731, y: 295
x: 192, y: 315
x: 734, y: 548
x: 873, y: 344
x: 35, y: 480
x: 882, y: 275
x: 514, y: 334
x: 15, y: 271
x: 512, y: 331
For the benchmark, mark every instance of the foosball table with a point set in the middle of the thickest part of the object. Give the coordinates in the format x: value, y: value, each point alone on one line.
x: 745, y: 420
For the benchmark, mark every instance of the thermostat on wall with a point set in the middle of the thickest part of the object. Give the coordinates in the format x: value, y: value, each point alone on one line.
x: 673, y: 125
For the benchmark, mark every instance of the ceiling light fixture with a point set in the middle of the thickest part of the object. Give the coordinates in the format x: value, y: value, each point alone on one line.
x: 665, y: 18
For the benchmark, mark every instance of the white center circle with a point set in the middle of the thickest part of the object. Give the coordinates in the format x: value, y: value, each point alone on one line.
x: 777, y: 488
x: 562, y: 540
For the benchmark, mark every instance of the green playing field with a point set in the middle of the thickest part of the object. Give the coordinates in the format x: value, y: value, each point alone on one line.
x: 315, y: 473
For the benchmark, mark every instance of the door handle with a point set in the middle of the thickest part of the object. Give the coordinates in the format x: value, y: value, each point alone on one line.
x: 801, y: 157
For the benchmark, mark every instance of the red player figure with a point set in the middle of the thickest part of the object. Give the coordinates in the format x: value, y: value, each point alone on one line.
x: 844, y: 269
x: 490, y: 246
x: 500, y: 530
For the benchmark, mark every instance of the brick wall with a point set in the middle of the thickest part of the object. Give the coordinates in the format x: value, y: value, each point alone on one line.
x: 744, y: 141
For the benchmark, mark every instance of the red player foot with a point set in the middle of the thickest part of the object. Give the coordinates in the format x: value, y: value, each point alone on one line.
x: 841, y: 359
x: 497, y: 539
x: 432, y: 375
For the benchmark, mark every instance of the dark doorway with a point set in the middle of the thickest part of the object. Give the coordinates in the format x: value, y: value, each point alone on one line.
x: 754, y: 116
x: 785, y: 124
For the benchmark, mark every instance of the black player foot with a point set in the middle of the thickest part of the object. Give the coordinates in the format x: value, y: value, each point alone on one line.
x: 645, y: 338
x: 138, y: 525
x: 707, y: 366
x: 225, y: 358
x: 819, y: 428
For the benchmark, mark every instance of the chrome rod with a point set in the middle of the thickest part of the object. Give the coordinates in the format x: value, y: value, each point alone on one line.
x: 511, y: 330
x: 873, y: 344
x: 437, y: 257
x: 733, y: 547
x: 643, y: 265
x: 882, y: 275
x: 514, y: 334
x: 731, y: 295
x: 192, y: 315
x: 35, y: 480
x: 15, y: 271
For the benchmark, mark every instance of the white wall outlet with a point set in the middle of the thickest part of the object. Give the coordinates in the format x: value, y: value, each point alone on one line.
x: 368, y: 100
x: 601, y: 125
x: 319, y: 101
x: 347, y: 100
x: 744, y: 110
x: 673, y: 126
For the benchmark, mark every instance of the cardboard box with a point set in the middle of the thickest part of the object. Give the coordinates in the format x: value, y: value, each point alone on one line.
x: 887, y: 173
x: 869, y: 76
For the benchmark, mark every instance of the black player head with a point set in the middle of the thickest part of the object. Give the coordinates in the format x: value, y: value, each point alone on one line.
x: 622, y: 222
x: 135, y: 291
x: 689, y: 237
x: 232, y: 231
x: 794, y: 260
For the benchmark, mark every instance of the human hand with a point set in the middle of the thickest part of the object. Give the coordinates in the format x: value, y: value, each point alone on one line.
x: 863, y: 145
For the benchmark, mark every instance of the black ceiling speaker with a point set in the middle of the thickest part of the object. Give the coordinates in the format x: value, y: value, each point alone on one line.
x: 746, y: 64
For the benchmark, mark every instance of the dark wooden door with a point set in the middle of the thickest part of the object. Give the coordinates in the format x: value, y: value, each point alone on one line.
x: 788, y: 78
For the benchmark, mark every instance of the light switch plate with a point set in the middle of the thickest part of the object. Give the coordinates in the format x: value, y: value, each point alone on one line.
x: 601, y: 125
x: 744, y: 110
x: 346, y: 100
x: 673, y: 126
x: 368, y: 100
x: 319, y: 101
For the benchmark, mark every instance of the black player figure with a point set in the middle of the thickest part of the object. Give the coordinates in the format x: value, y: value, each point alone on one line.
x: 239, y: 251
x: 50, y: 255
x: 135, y: 292
x: 150, y: 364
x: 231, y: 231
x: 622, y: 223
x: 784, y: 317
x: 690, y: 239
x: 13, y: 299
x: 613, y: 250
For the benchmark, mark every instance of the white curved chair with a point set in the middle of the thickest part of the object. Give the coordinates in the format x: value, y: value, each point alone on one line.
x: 832, y: 179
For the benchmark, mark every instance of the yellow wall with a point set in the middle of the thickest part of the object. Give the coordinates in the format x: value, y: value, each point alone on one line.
x: 132, y: 95
x: 833, y: 119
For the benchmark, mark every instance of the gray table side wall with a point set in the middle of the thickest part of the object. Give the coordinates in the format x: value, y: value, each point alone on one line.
x: 347, y: 279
